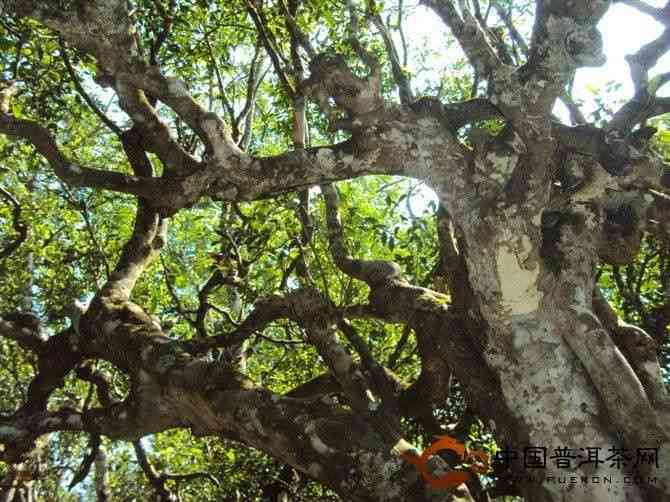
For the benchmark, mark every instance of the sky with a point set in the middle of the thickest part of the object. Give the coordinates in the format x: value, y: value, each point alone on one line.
x: 624, y: 30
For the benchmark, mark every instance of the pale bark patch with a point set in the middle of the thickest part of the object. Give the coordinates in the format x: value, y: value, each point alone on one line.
x: 518, y: 285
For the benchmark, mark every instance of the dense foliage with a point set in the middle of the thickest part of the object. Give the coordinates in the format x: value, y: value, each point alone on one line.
x: 60, y: 242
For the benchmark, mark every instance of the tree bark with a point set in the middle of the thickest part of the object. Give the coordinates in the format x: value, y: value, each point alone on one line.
x: 531, y: 212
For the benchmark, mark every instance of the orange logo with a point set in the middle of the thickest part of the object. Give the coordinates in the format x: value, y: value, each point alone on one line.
x: 478, y: 459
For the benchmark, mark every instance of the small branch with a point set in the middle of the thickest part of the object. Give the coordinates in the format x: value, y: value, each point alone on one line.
x: 292, y: 25
x: 82, y: 208
x: 214, y: 282
x: 643, y: 104
x: 257, y: 72
x: 161, y: 38
x: 264, y: 312
x: 354, y: 39
x: 509, y: 23
x: 87, y: 462
x: 20, y: 228
x: 399, y: 75
x: 306, y: 232
x: 156, y: 480
x: 300, y: 125
x: 171, y: 290
x: 372, y: 272
x: 384, y: 385
x: 401, y: 32
x: 279, y: 341
x: 270, y: 44
x: 225, y: 102
x: 397, y: 351
x: 73, y: 174
x: 77, y: 84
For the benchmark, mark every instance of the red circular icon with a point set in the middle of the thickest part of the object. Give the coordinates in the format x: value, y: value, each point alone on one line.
x: 478, y: 458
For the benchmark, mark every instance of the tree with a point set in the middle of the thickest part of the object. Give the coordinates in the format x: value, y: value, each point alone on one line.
x: 330, y: 328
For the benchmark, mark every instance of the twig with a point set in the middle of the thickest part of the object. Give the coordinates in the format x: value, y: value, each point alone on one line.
x: 19, y: 227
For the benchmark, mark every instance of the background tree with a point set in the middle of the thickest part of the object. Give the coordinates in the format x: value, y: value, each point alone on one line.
x: 217, y: 237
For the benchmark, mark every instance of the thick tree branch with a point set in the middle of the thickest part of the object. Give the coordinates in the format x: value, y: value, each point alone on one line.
x: 265, y: 311
x: 314, y: 313
x: 154, y: 134
x: 627, y: 404
x: 55, y: 356
x: 659, y: 14
x: 640, y: 351
x: 372, y: 272
x: 647, y: 56
x: 565, y: 37
x: 451, y: 265
x: 101, y: 476
x: 213, y: 399
x: 644, y: 103
x: 148, y: 238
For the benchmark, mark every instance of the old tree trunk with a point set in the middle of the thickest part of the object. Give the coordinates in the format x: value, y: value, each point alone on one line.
x: 526, y: 217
